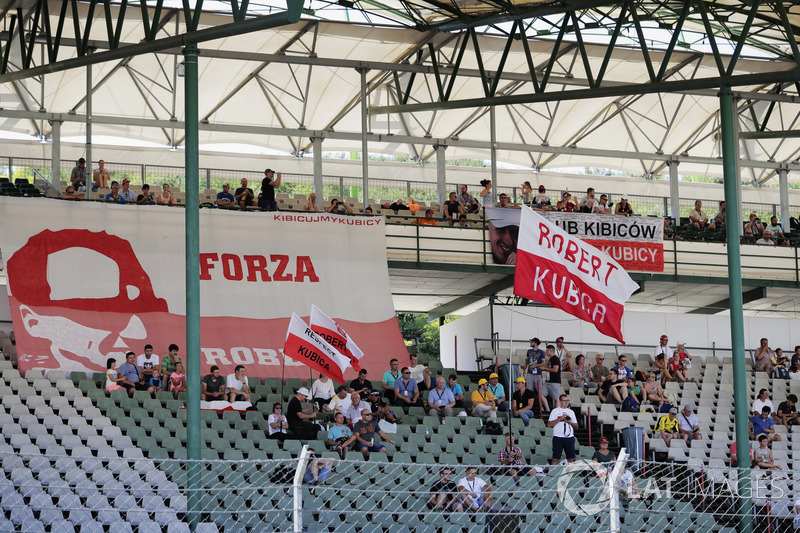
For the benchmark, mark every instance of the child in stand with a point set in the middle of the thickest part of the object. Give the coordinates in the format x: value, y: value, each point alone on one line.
x: 112, y: 376
x: 177, y: 380
x: 155, y: 383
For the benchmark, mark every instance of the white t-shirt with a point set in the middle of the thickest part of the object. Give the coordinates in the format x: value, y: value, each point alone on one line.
x: 417, y: 373
x: 341, y: 405
x: 666, y: 350
x: 147, y: 364
x: 758, y: 405
x: 234, y: 383
x: 322, y: 390
x: 475, y: 486
x: 354, y: 413
x: 275, y: 418
x: 562, y: 429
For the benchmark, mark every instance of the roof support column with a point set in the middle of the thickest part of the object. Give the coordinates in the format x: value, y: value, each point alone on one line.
x: 441, y: 185
x: 674, y: 202
x: 55, y: 156
x: 364, y: 133
x: 317, y: 149
x: 89, y: 175
x: 732, y: 226
x: 493, y: 150
x: 192, y: 236
x: 783, y: 187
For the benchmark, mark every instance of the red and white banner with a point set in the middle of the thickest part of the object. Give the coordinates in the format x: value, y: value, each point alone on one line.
x: 310, y: 348
x: 637, y: 243
x: 337, y: 337
x: 558, y: 269
x: 89, y: 281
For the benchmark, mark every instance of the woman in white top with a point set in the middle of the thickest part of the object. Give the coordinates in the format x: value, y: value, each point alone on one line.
x: 322, y: 391
x: 112, y: 376
x: 166, y: 197
x: 278, y: 425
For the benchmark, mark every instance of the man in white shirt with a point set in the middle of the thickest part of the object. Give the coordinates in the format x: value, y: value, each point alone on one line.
x: 688, y: 425
x: 663, y: 348
x: 353, y: 413
x: 148, y: 361
x: 564, y: 423
x: 340, y: 402
x: 761, y: 402
x: 419, y: 373
x: 476, y: 494
x: 237, y: 387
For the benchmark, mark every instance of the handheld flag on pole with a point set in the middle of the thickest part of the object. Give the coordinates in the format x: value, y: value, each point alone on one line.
x: 565, y: 272
x: 337, y: 337
x: 303, y: 345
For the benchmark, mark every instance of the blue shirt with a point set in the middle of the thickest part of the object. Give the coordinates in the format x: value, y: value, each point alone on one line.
x: 498, y: 390
x: 225, y: 196
x: 455, y: 389
x: 406, y: 390
x: 623, y: 371
x: 440, y: 399
x: 130, y: 372
x: 534, y: 357
x: 118, y: 200
x: 390, y: 378
x: 337, y: 432
x: 760, y: 425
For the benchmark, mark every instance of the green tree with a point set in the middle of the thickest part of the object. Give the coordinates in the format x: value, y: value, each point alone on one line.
x: 415, y: 326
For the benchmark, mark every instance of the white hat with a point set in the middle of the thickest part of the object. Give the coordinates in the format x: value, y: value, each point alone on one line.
x: 303, y: 391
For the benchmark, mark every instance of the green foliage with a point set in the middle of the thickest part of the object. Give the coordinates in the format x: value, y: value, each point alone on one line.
x: 415, y: 326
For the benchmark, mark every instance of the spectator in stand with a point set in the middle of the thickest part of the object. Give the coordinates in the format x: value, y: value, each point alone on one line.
x: 299, y: 417
x: 684, y: 356
x: 581, y: 375
x: 567, y: 203
x: 564, y: 423
x: 368, y: 210
x: 762, y: 401
x: 522, y: 402
x: 244, y: 195
x: 668, y: 426
x: 499, y: 392
x: 361, y: 385
x: 763, y: 356
x: 602, y: 207
x: 453, y: 209
x: 697, y: 217
x: 237, y: 387
x: 145, y: 198
x: 278, y: 424
x: 166, y: 197
x: 487, y: 198
x: 177, y: 380
x: 476, y: 494
x: 148, y: 362
x: 311, y: 206
x: 635, y: 392
x: 340, y: 401
x: 156, y: 385
x: 225, y: 198
x: 776, y: 229
x: 381, y: 410
x: 318, y: 469
x: 660, y: 368
x: 126, y: 192
x: 535, y: 359
x: 564, y: 355
x: 719, y: 218
x: 78, y: 176
x: 766, y: 238
x: 339, y: 208
x: 754, y: 225
x: 483, y: 404
x: 542, y: 201
x: 398, y: 205
x: 688, y: 425
x: 762, y: 456
x: 428, y: 220
x: 553, y: 376
x: 512, y: 456
x: 444, y: 494
x: 602, y: 455
x: 413, y: 206
x: 676, y: 370
x: 787, y: 412
x: 213, y: 386
x: 101, y: 176
x: 505, y: 202
x: 69, y: 194
x: 340, y: 437
x: 526, y: 193
x: 795, y: 366
x: 406, y: 391
x: 613, y: 390
x: 353, y: 413
x: 455, y: 387
x: 622, y: 370
x: 587, y: 203
x: 114, y: 197
x: 168, y: 363
x: 441, y: 400
x: 624, y: 207
x: 653, y: 391
x: 389, y: 378
x: 467, y: 201
x: 269, y: 184
x: 321, y: 392
x: 364, y: 432
x: 663, y: 347
x: 598, y: 373
x: 419, y: 373
x: 112, y: 376
x: 779, y: 362
x: 763, y: 424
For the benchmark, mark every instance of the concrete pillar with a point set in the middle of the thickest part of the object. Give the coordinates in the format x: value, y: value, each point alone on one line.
x: 441, y: 185
x: 317, y: 148
x: 674, y: 202
x: 783, y: 187
x: 55, y: 156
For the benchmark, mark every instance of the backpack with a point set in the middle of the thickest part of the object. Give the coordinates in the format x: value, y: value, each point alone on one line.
x: 781, y: 372
x: 629, y: 405
x: 493, y: 427
x: 666, y: 407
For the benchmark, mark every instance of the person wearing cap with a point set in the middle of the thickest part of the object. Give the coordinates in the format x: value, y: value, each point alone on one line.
x: 567, y: 203
x: 78, y: 175
x: 428, y: 220
x: 587, y: 203
x: 114, y: 196
x: 534, y: 360
x: 624, y: 207
x: 762, y: 424
x: 101, y: 176
x: 476, y: 494
x: 511, y: 456
x: 467, y: 201
x: 697, y: 217
x: 353, y: 413
x: 603, y: 455
x: 754, y: 226
x: 145, y: 198
x: 225, y: 198
x: 688, y: 425
x: 663, y: 348
x: 499, y: 392
x: 126, y: 192
x: 213, y: 385
x: 564, y: 355
x: 483, y: 404
x: 361, y: 384
x: 542, y: 201
x: 244, y: 195
x: 268, y: 186
x: 380, y: 408
x: 602, y: 207
x: 564, y: 423
x: 364, y: 431
x: 406, y: 391
x: 522, y: 401
x: 441, y: 400
x: 667, y: 427
x: 298, y: 417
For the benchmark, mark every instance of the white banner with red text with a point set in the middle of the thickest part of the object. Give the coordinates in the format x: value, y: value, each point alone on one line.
x: 637, y: 243
x: 89, y: 281
x: 555, y: 268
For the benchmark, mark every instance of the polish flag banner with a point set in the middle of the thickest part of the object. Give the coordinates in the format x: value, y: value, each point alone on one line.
x: 304, y: 345
x: 336, y: 336
x: 555, y: 268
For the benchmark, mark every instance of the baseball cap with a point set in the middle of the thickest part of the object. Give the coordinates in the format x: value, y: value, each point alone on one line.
x: 681, y: 343
x: 482, y: 382
x: 493, y: 375
x: 376, y: 392
x: 664, y: 338
x: 268, y: 170
x: 604, y: 441
x: 673, y: 411
x: 688, y: 407
x: 541, y: 188
x: 303, y: 391
x: 521, y: 380
x: 126, y: 180
x: 624, y: 197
